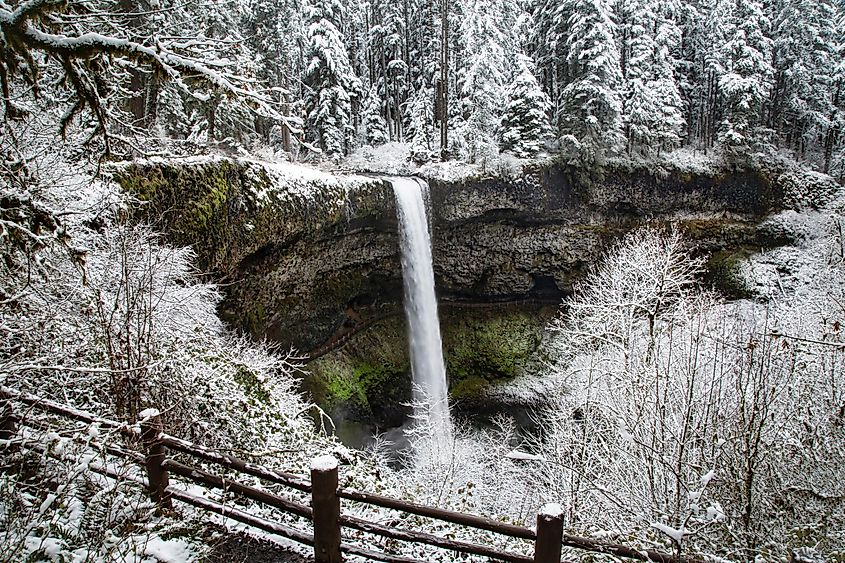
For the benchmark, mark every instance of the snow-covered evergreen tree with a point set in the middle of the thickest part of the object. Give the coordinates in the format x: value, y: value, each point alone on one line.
x: 590, y: 112
x: 654, y: 117
x: 332, y: 85
x: 805, y: 59
x: 374, y: 124
x: 389, y: 74
x: 274, y: 31
x: 525, y: 121
x: 746, y: 74
x: 549, y: 48
x: 482, y: 77
x: 834, y: 161
x: 420, y: 132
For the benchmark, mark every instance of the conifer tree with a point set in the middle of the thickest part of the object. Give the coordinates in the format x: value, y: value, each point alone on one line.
x: 421, y: 123
x: 332, y: 85
x: 549, y: 48
x: 374, y: 124
x: 834, y: 157
x: 482, y: 77
x: 591, y: 108
x: 746, y: 73
x: 525, y: 121
x: 273, y: 29
x: 653, y: 115
x: 389, y: 70
x: 641, y: 105
x: 805, y: 59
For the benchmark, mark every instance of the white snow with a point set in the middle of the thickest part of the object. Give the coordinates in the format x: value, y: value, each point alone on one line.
x: 676, y: 535
x: 524, y: 456
x: 707, y: 477
x: 176, y: 550
x: 395, y: 159
x: 146, y: 414
x: 715, y: 512
x: 551, y: 510
x: 324, y: 463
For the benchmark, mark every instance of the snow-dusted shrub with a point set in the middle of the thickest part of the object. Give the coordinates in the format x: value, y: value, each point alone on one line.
x: 54, y: 508
x: 104, y: 316
x: 133, y: 327
x: 468, y: 471
x: 714, y: 427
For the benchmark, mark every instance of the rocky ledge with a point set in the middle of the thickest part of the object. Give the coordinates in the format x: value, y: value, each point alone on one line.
x: 308, y: 257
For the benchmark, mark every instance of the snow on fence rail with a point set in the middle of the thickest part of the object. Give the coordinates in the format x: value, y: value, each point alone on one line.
x: 324, y: 511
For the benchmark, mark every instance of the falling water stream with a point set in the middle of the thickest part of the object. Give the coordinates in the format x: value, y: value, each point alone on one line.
x: 426, y: 351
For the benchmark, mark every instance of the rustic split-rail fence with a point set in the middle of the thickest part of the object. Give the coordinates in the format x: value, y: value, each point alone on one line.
x: 324, y: 510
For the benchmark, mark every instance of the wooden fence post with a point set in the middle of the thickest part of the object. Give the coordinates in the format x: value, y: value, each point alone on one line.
x: 151, y: 429
x: 549, y: 534
x: 326, y: 506
x: 8, y: 422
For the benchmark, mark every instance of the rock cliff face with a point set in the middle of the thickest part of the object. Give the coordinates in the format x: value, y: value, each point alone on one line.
x: 538, y: 233
x: 307, y: 255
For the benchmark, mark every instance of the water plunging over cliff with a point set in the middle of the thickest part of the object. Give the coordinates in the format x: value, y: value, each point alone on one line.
x: 426, y: 350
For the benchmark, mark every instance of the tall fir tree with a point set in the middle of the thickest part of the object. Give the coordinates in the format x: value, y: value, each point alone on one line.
x: 420, y: 132
x: 389, y: 73
x: 482, y: 77
x: 375, y: 127
x: 590, y: 113
x: 331, y: 84
x: 525, y: 120
x: 746, y: 75
x: 804, y: 60
x: 834, y: 158
x: 274, y: 31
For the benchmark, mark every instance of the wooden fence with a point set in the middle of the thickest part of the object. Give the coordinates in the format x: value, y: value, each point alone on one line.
x: 324, y: 510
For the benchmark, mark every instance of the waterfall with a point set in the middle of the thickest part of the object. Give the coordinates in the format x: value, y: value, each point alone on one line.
x: 426, y: 351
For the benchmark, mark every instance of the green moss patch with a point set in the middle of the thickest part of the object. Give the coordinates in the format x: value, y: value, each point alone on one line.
x: 488, y: 344
x: 199, y: 205
x: 722, y: 272
x: 371, y: 374
x: 367, y: 373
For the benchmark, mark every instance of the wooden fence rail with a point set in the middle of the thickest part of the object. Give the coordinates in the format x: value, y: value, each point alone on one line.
x: 325, y: 509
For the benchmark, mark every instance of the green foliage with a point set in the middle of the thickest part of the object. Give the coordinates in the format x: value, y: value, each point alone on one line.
x: 251, y: 384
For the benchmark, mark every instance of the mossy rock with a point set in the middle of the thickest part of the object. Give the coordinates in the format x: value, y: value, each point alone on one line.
x: 204, y: 206
x: 370, y: 376
x: 723, y: 273
x: 487, y: 345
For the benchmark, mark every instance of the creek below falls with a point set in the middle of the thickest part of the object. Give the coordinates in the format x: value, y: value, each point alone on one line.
x: 311, y: 260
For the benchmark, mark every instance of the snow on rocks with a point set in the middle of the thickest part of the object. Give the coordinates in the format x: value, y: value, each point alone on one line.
x: 396, y: 159
x: 524, y: 456
x: 175, y: 550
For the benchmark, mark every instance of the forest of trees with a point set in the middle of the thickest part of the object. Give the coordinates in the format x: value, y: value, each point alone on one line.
x: 671, y: 419
x: 588, y: 78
